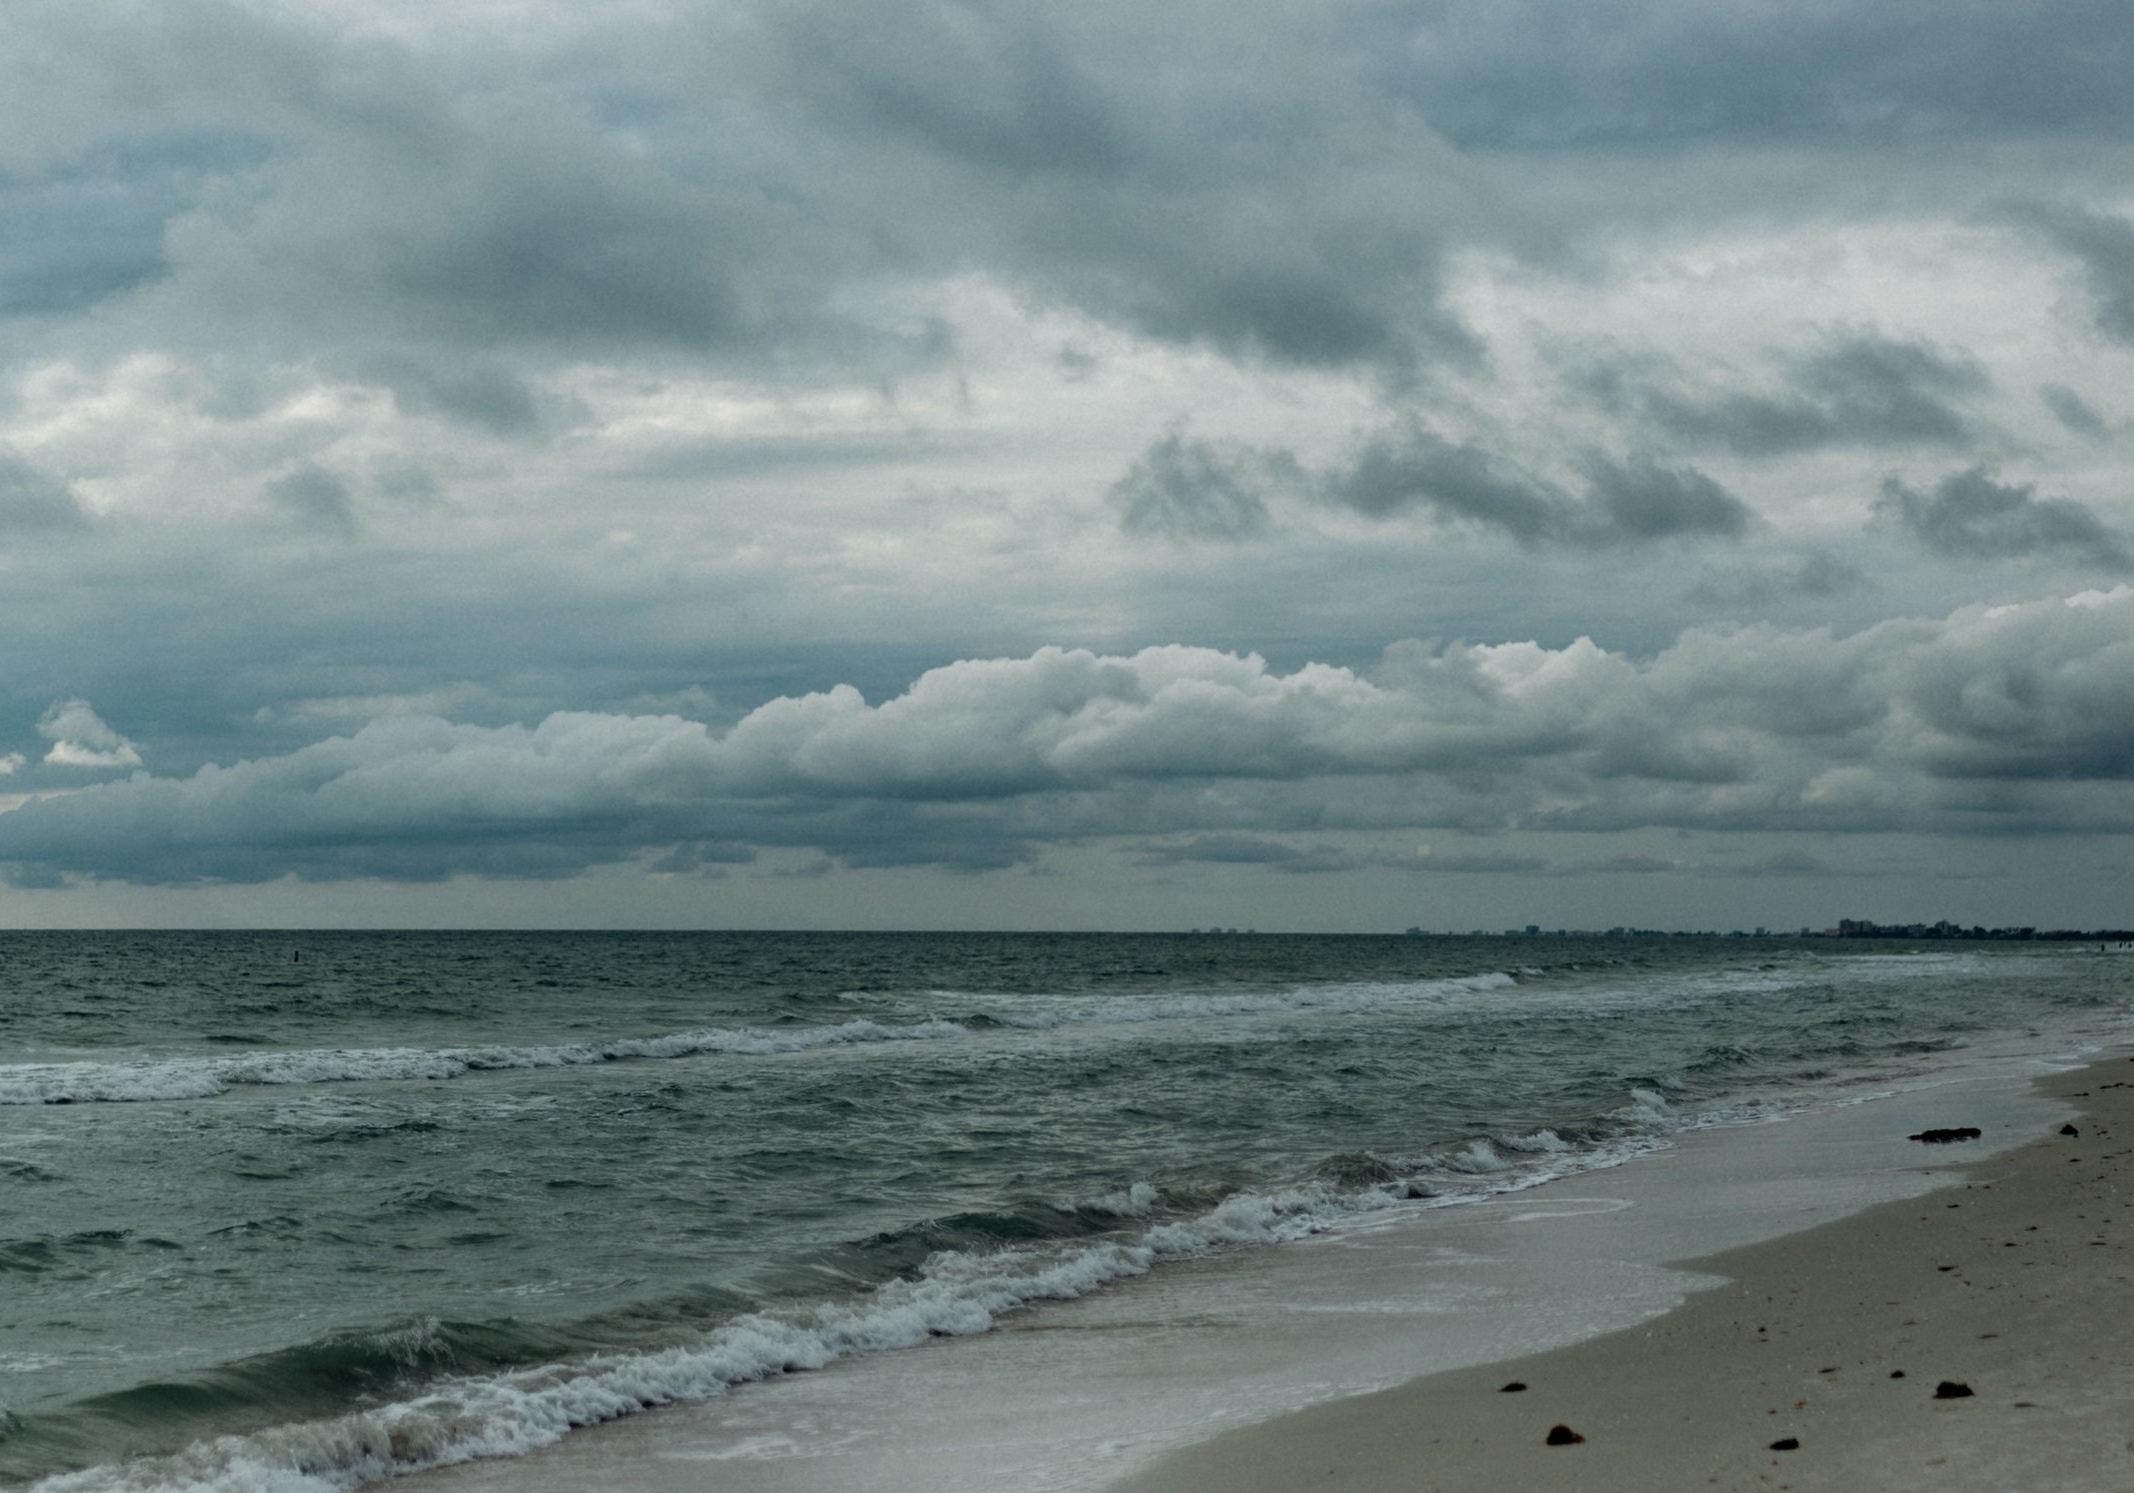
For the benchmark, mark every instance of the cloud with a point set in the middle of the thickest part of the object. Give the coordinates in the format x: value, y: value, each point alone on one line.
x: 1988, y: 720
x: 34, y: 501
x: 1625, y: 502
x: 1642, y: 500
x: 1321, y: 858
x: 80, y: 738
x: 1969, y: 515
x: 313, y: 498
x: 477, y: 393
x: 2103, y: 244
x: 1473, y: 864
x: 1813, y: 573
x: 1187, y: 489
x: 737, y: 185
x: 1659, y: 76
x: 1256, y: 850
x: 1858, y: 389
x: 2073, y: 411
x: 1413, y: 467
x: 760, y: 187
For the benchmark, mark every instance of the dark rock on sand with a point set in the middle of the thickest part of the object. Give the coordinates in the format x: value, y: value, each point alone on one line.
x: 1943, y: 1137
x: 2069, y: 1130
x: 1513, y: 1388
x: 1565, y: 1436
x: 1949, y: 1389
x: 1896, y: 1373
x: 1786, y: 1444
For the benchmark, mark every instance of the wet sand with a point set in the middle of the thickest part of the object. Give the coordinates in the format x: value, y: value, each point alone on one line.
x: 2012, y: 1281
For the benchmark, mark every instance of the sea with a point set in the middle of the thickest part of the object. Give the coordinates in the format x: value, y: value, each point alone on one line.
x: 316, y: 1211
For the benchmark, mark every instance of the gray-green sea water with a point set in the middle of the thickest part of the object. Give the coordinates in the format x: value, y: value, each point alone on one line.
x: 285, y: 1212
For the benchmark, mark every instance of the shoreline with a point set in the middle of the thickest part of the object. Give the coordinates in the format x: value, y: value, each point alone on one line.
x: 2011, y: 1278
x: 1143, y: 1380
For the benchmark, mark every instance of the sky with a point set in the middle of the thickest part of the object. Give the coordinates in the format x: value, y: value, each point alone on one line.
x: 946, y: 464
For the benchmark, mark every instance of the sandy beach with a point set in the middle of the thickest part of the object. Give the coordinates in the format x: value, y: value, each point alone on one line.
x: 1819, y: 1364
x: 1755, y: 1282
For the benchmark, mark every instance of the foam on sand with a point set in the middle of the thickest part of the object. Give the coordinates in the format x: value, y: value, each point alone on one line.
x: 955, y: 1293
x: 1965, y: 1341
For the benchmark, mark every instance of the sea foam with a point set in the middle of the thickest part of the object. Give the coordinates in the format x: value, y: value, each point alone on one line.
x: 954, y: 1293
x: 204, y: 1077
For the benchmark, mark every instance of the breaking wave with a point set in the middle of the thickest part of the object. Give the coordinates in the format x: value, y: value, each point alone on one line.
x: 953, y: 1293
x: 204, y: 1077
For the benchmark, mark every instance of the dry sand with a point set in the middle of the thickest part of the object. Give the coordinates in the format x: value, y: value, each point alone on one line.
x: 2013, y: 1281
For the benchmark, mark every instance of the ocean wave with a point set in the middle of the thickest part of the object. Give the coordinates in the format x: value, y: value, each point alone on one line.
x: 953, y: 1293
x: 204, y: 1077
x: 77, y: 1252
x: 1132, y: 1010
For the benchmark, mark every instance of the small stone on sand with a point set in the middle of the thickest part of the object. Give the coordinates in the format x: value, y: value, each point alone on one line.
x: 1565, y: 1436
x: 1515, y: 1387
x: 1786, y: 1444
x: 1949, y: 1389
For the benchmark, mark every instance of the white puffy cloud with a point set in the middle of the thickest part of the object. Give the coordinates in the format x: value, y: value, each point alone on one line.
x: 80, y: 738
x: 2002, y: 718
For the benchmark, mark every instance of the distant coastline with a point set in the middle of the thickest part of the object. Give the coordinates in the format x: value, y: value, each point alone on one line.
x: 1845, y: 928
x: 1857, y: 928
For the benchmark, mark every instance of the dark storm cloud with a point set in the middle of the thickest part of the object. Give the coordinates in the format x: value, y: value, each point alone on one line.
x: 34, y: 501
x: 1657, y: 75
x: 1192, y: 204
x: 478, y: 393
x: 1320, y: 858
x: 715, y: 183
x: 313, y: 498
x: 1989, y: 720
x: 1785, y: 863
x: 1817, y: 573
x: 1969, y: 515
x: 1643, y: 500
x: 1189, y: 489
x: 1884, y: 391
x: 2073, y: 411
x: 1473, y: 864
x: 468, y: 216
x: 2104, y: 246
x: 737, y: 456
x: 1252, y: 850
x: 1413, y: 468
x: 321, y: 195
x: 1634, y: 501
x: 1859, y: 389
x: 76, y: 236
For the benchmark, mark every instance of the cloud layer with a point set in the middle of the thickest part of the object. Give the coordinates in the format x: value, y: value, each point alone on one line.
x: 466, y: 382
x: 1986, y: 721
